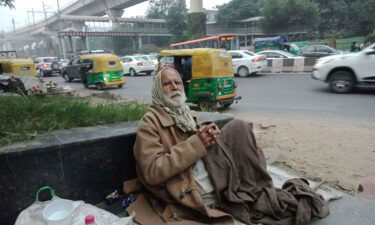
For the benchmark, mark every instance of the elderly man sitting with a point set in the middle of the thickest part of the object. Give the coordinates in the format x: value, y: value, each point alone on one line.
x: 194, y: 173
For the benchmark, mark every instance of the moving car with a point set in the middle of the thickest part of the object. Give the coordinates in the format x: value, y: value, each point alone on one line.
x: 277, y: 54
x: 319, y: 51
x: 246, y: 62
x: 134, y: 65
x: 46, y: 66
x: 344, y: 72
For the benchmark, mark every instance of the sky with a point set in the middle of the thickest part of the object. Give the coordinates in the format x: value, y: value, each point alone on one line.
x: 22, y: 16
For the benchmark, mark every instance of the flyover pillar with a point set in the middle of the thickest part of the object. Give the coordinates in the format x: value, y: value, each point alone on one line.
x: 140, y: 42
x: 62, y: 46
x: 72, y: 45
x: 115, y: 13
x: 197, y: 20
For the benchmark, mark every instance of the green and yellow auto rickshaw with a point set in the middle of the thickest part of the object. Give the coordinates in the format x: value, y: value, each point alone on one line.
x: 101, y: 70
x: 18, y: 66
x: 206, y: 73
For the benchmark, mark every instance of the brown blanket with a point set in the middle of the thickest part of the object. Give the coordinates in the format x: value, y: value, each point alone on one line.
x: 237, y: 169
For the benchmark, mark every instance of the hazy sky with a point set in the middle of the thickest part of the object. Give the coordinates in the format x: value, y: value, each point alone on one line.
x: 21, y: 17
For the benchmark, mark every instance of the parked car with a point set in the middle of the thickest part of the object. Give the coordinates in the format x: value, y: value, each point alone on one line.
x: 277, y: 54
x: 246, y: 62
x: 344, y: 72
x: 134, y: 65
x: 46, y: 66
x: 319, y: 51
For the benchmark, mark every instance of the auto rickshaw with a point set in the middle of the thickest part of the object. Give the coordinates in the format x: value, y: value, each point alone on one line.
x: 101, y: 70
x: 206, y: 73
x: 18, y: 66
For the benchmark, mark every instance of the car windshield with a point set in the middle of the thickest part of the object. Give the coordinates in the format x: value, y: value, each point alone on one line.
x: 153, y: 57
x: 248, y: 53
x: 286, y: 54
x: 49, y: 60
x: 372, y: 46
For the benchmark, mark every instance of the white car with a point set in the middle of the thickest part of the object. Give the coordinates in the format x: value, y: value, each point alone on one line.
x: 134, y: 65
x: 246, y: 62
x: 153, y: 58
x: 277, y: 54
x: 346, y: 71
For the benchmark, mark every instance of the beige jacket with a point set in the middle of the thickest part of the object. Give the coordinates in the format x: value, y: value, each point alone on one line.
x: 164, y: 155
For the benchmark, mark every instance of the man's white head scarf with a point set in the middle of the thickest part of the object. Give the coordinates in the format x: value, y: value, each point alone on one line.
x: 181, y: 114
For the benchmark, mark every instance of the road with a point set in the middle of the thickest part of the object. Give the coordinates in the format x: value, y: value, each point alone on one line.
x: 275, y: 95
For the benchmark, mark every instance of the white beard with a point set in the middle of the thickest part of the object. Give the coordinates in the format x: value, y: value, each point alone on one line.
x: 176, y: 102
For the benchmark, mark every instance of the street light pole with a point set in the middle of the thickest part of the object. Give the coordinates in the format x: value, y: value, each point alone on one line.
x: 32, y: 11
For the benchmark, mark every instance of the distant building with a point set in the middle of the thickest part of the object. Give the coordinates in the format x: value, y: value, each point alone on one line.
x: 211, y: 15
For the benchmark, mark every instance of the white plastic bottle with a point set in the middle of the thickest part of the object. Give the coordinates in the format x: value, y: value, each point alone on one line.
x: 90, y: 219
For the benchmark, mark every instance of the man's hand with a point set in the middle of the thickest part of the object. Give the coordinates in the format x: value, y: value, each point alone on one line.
x: 208, y: 134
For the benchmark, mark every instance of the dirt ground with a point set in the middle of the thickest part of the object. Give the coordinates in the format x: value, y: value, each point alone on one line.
x: 341, y: 155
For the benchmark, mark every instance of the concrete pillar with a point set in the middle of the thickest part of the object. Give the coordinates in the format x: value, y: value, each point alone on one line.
x: 62, y: 47
x: 84, y: 45
x: 196, y: 6
x: 87, y: 43
x: 140, y: 42
x: 115, y: 13
x: 72, y: 44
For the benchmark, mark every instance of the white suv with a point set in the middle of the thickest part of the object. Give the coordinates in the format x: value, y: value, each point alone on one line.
x: 344, y: 72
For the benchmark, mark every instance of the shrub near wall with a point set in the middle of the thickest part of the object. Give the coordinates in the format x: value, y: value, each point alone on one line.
x: 25, y: 118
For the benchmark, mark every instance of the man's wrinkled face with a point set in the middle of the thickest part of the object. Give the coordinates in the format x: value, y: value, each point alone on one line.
x: 173, y: 88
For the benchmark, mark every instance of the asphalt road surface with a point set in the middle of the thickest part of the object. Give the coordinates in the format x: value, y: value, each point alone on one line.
x: 275, y: 95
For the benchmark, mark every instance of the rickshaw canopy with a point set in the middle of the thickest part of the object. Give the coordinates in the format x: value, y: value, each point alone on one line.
x: 206, y: 62
x: 18, y: 66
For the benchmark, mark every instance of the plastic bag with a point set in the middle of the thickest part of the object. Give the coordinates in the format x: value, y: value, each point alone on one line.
x: 33, y: 214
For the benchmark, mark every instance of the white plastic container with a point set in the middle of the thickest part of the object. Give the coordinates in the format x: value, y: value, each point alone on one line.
x: 58, y: 212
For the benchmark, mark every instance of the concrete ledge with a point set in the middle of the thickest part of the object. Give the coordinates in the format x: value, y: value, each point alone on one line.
x: 295, y: 65
x: 80, y: 164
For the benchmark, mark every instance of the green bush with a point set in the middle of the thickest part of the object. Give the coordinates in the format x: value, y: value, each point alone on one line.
x: 24, y: 118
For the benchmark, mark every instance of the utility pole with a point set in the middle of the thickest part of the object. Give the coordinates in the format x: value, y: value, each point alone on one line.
x: 61, y: 38
x: 44, y: 10
x: 58, y: 6
x: 32, y: 11
x: 14, y: 24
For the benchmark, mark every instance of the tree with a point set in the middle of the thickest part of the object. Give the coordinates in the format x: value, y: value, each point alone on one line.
x: 282, y: 15
x: 346, y: 18
x: 158, y: 9
x: 237, y: 10
x: 8, y: 3
x: 175, y: 14
x: 176, y: 20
